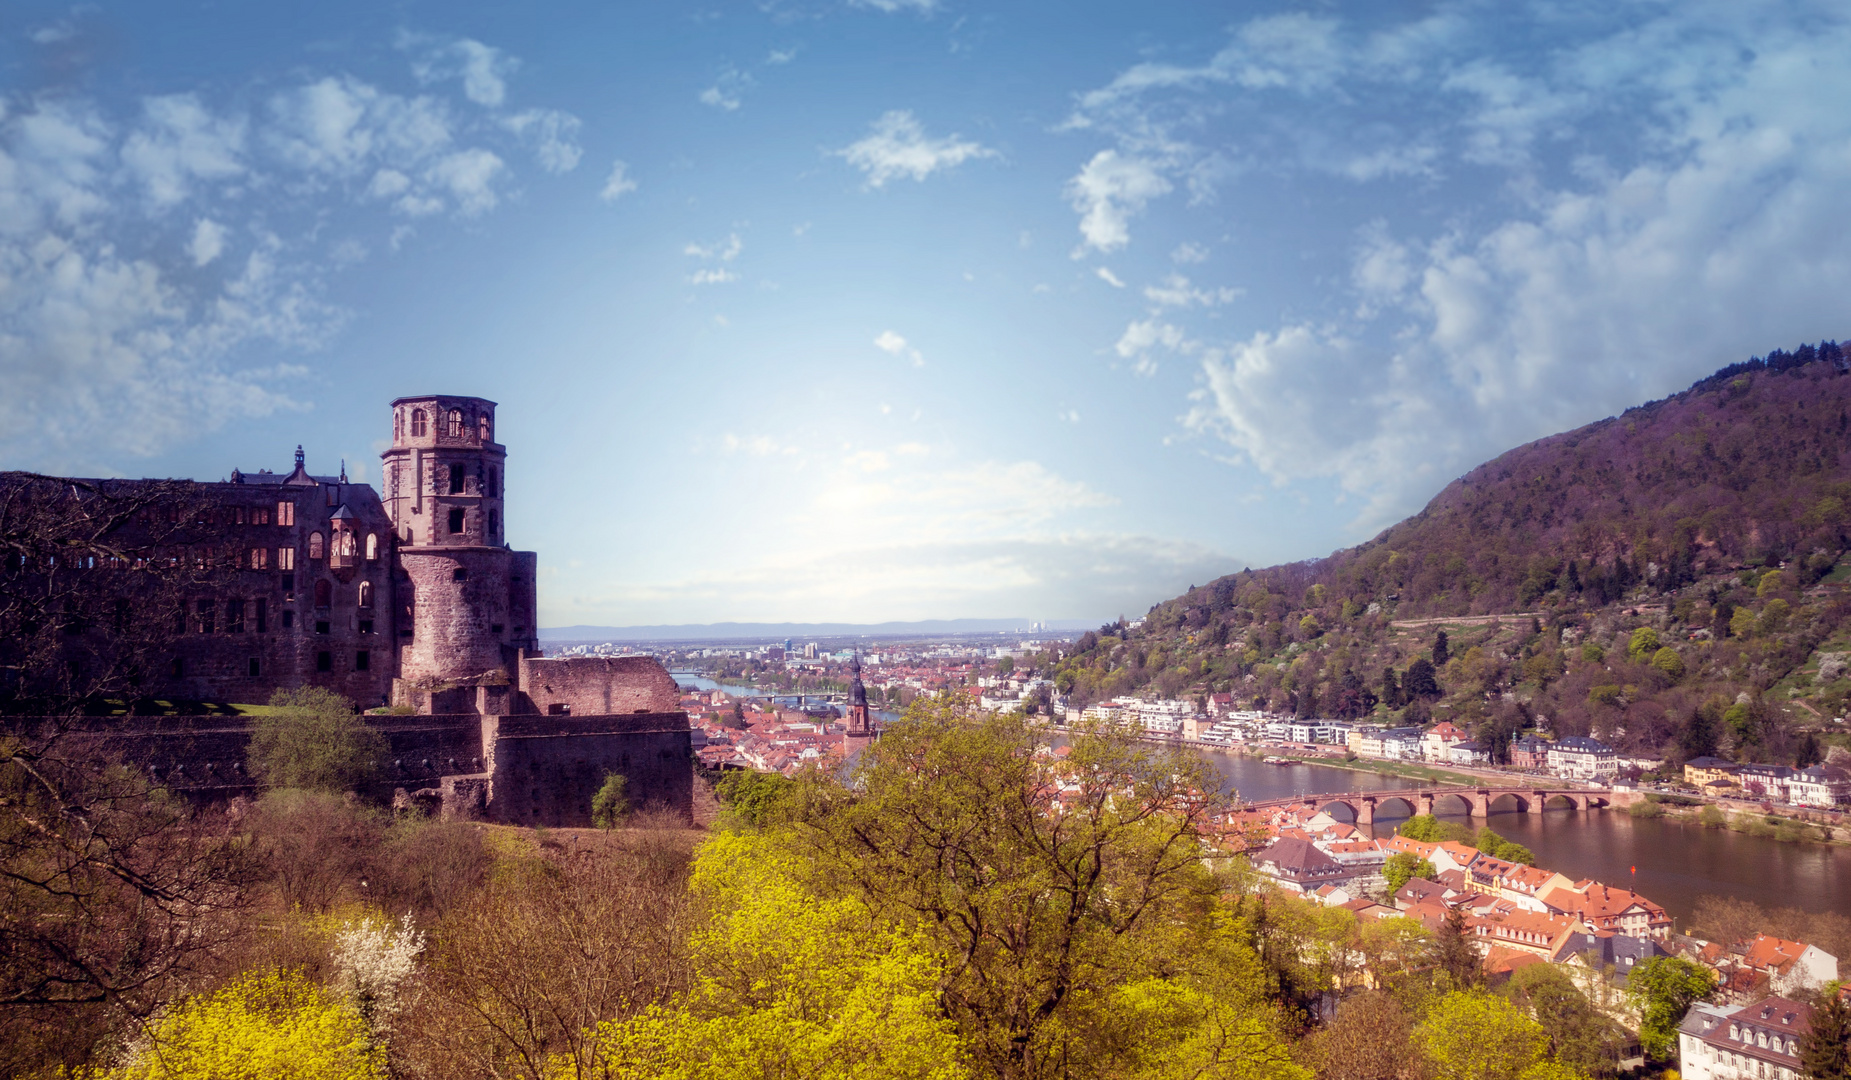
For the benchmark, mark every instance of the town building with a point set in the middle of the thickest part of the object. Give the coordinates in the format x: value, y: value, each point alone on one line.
x: 1824, y: 786
x: 1578, y: 758
x: 1759, y: 1041
x: 1529, y: 752
x: 1297, y: 865
x: 1699, y: 771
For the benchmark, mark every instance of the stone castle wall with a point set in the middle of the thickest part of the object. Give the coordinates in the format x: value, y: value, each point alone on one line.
x: 544, y: 770
x: 596, y: 686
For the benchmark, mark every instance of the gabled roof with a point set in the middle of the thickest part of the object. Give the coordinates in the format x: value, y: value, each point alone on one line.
x: 1768, y: 953
x: 1291, y: 853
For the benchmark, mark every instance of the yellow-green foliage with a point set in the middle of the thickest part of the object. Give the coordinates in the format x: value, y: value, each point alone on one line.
x: 1475, y: 1035
x: 265, y: 1026
x: 1668, y: 661
x: 788, y: 984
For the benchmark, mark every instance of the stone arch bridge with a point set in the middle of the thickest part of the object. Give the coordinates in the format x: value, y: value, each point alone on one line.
x: 1479, y: 802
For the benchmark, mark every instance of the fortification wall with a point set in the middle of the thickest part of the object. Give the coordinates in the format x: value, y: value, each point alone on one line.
x: 596, y: 686
x: 544, y: 770
x: 460, y: 612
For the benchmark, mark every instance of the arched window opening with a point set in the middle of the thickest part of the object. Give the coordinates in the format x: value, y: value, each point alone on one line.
x: 372, y: 546
x: 456, y: 423
x: 456, y: 478
x: 324, y: 594
x: 408, y: 535
x: 483, y: 428
x: 345, y: 544
x: 494, y: 483
x: 398, y: 424
x: 494, y: 525
x: 366, y: 594
x: 456, y: 521
x: 418, y: 423
x: 315, y: 551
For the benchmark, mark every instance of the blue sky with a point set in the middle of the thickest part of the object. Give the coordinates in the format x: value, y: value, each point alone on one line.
x: 899, y: 310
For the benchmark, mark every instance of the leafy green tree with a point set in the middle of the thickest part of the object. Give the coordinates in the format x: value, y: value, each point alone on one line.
x: 1593, y: 653
x: 1643, y: 644
x: 1455, y: 954
x: 1005, y: 665
x: 1742, y: 623
x: 1370, y: 1039
x: 788, y: 982
x: 610, y: 806
x: 1420, y: 682
x: 1499, y: 848
x: 948, y: 827
x: 1825, y: 1050
x: 1476, y: 1035
x: 1809, y: 753
x: 311, y: 739
x: 1702, y: 733
x: 1579, y: 1036
x: 1665, y: 988
x: 1403, y: 866
x: 1771, y: 583
x: 757, y: 798
x: 1431, y: 830
x: 1668, y: 661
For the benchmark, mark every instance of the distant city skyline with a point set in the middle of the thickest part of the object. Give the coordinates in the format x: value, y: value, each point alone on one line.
x: 899, y: 310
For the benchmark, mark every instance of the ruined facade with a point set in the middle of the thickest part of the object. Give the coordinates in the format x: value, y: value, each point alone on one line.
x: 415, y: 600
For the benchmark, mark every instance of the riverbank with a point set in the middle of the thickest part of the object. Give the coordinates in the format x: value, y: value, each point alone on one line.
x: 1400, y: 770
x: 1802, y: 827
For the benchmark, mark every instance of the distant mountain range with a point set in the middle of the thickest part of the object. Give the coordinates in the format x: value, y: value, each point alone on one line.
x: 738, y: 631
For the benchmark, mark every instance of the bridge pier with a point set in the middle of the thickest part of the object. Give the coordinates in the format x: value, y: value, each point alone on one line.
x: 1365, y: 811
x: 1481, y: 805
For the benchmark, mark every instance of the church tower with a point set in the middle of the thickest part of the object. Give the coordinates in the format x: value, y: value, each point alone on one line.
x: 861, y: 728
x: 467, y: 602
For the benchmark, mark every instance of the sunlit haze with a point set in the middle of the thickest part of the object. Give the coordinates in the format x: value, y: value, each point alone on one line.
x: 904, y: 310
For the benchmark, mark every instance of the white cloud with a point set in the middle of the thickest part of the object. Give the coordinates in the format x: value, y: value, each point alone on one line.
x: 895, y: 345
x: 179, y: 142
x: 924, y: 7
x: 1107, y: 276
x: 553, y: 134
x: 483, y: 69
x: 900, y: 147
x: 1141, y: 338
x: 618, y: 184
x: 1189, y: 252
x: 1177, y: 292
x: 725, y: 252
x: 1107, y: 191
x: 469, y: 176
x: 1613, y: 287
x: 780, y: 56
x: 713, y: 276
x: 719, y: 99
x: 208, y: 241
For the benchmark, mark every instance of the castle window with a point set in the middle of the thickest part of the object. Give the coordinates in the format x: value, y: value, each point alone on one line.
x: 324, y: 661
x: 205, y: 616
x: 324, y: 594
x: 366, y: 626
x: 362, y: 661
x: 456, y: 423
x: 494, y: 524
x: 179, y: 668
x: 392, y: 481
x: 418, y: 423
x: 494, y: 483
x: 321, y: 626
x: 398, y: 424
x: 263, y: 615
x: 315, y: 551
x: 334, y: 494
x: 483, y: 429
x: 289, y: 619
x: 366, y: 594
x: 234, y: 616
x: 345, y: 543
x: 260, y: 558
x: 289, y: 586
x: 372, y: 546
x: 456, y: 521
x: 459, y: 574
x: 456, y: 478
x: 256, y: 668
x: 286, y: 513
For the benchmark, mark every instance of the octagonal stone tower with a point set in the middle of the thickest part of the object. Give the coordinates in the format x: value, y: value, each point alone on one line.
x: 467, y: 601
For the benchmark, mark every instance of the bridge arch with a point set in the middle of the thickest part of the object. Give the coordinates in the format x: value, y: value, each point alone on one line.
x: 1345, y: 805
x: 1560, y: 800
x: 1452, y: 803
x: 1507, y: 802
x: 1394, y: 806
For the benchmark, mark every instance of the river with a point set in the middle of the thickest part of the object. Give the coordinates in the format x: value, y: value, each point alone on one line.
x: 1671, y: 862
x: 1675, y: 863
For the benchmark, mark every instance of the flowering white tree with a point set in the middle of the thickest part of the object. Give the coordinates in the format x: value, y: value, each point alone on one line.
x: 373, y: 963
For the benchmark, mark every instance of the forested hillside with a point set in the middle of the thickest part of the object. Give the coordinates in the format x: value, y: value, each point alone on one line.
x: 1676, y: 568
